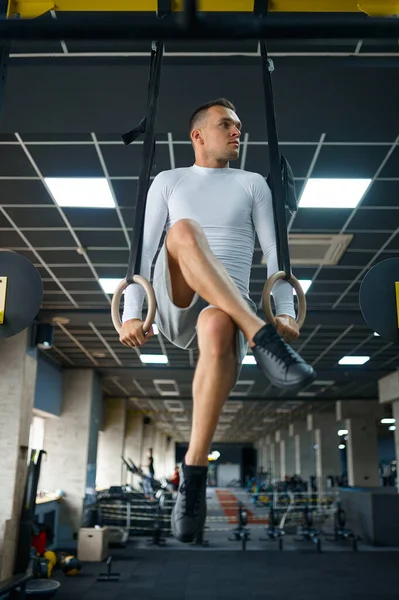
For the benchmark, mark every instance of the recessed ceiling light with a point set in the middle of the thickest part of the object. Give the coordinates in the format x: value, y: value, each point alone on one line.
x: 249, y: 360
x: 388, y: 421
x: 80, y: 192
x: 342, y: 446
x: 343, y: 431
x: 155, y: 359
x: 392, y: 428
x: 376, y: 334
x: 333, y: 193
x: 109, y: 284
x: 305, y: 285
x: 354, y: 360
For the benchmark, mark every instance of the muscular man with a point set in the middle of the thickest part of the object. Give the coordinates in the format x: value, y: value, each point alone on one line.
x: 201, y: 280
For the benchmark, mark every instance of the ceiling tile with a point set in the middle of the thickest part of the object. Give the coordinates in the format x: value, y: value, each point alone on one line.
x: 125, y: 192
x: 328, y: 219
x: 102, y: 238
x: 92, y: 217
x: 375, y: 219
x: 10, y: 239
x: 40, y: 217
x: 356, y: 259
x: 109, y: 256
x: 14, y: 162
x: 36, y: 138
x: 368, y: 241
x: 52, y: 256
x: 349, y: 161
x: 391, y: 169
x: 125, y: 161
x: 50, y: 238
x: 20, y: 191
x: 382, y: 193
x: 70, y: 272
x: 67, y: 161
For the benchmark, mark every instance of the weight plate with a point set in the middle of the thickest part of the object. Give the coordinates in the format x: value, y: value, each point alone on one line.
x: 24, y: 293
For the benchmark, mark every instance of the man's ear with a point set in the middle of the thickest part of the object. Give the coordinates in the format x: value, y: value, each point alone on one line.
x: 196, y: 136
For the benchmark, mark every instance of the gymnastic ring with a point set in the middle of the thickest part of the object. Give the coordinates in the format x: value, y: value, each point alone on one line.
x: 116, y: 301
x: 266, y: 298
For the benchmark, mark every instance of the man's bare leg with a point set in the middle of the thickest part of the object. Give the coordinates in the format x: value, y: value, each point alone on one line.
x: 204, y: 273
x: 213, y: 380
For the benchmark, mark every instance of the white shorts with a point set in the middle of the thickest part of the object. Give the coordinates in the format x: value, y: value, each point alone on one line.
x: 179, y: 325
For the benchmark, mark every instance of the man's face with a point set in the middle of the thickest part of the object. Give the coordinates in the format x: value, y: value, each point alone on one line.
x: 220, y: 134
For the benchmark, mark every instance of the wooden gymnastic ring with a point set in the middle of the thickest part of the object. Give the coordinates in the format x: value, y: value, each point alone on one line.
x: 266, y: 298
x: 116, y: 301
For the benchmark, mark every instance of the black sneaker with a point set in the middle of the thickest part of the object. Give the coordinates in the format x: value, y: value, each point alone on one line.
x: 189, y: 512
x: 279, y: 362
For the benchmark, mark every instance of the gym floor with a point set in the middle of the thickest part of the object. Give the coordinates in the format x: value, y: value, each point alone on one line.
x: 224, y: 571
x: 198, y: 574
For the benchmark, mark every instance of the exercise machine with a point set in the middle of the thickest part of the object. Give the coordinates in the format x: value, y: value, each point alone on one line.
x: 306, y: 531
x: 241, y: 533
x: 341, y: 532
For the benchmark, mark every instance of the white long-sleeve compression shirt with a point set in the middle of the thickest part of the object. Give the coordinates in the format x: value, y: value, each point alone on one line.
x: 230, y: 205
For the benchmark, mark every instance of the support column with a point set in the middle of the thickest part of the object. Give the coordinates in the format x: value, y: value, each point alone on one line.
x: 305, y: 465
x: 281, y: 437
x: 17, y: 390
x: 290, y: 453
x: 148, y: 442
x: 270, y: 458
x: 388, y: 388
x: 133, y: 443
x: 328, y: 462
x: 359, y: 418
x: 159, y: 453
x: 265, y: 455
x: 71, y: 442
x: 275, y: 460
x: 111, y: 443
x: 170, y: 456
x: 259, y: 455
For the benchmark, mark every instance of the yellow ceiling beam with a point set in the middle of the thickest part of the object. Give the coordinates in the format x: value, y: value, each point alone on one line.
x: 34, y: 8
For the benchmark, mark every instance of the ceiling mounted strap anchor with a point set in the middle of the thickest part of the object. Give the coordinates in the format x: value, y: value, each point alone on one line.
x: 134, y: 134
x: 164, y: 8
x: 261, y: 7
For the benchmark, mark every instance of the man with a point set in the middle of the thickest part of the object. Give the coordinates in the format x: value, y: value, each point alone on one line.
x: 148, y: 480
x: 201, y: 279
x: 150, y: 463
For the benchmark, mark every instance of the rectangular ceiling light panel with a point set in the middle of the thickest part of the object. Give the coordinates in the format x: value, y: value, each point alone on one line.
x: 333, y: 193
x: 242, y: 388
x: 80, y: 192
x: 166, y: 387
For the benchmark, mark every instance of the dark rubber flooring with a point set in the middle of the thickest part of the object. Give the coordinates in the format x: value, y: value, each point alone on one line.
x: 201, y: 574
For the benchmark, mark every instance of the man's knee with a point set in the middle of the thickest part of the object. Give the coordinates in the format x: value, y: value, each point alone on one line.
x: 184, y: 232
x: 216, y: 333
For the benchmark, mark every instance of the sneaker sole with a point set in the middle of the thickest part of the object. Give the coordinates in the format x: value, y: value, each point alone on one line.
x: 184, y: 539
x: 296, y: 386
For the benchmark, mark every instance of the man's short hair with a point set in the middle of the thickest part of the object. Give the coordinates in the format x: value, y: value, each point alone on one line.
x: 200, y: 112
